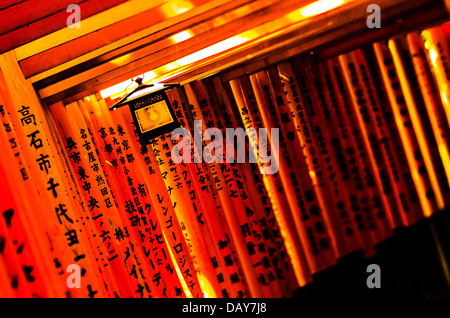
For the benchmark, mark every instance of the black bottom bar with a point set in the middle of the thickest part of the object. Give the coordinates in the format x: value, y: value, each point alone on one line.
x: 414, y: 262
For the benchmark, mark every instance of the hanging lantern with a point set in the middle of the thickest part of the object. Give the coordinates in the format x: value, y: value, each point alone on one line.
x: 152, y: 113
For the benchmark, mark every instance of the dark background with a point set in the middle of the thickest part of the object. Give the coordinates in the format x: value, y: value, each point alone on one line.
x: 414, y: 262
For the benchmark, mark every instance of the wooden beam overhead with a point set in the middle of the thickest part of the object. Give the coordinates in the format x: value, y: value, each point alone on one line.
x: 319, y: 44
x: 165, y: 51
x: 94, y: 23
x: 36, y: 22
x: 26, y: 12
x: 173, y: 53
x: 7, y: 3
x: 312, y: 34
x: 314, y: 38
x: 122, y: 38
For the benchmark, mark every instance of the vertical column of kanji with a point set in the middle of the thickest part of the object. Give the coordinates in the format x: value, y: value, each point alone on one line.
x: 311, y: 218
x: 288, y: 242
x: 410, y: 207
x: 91, y: 218
x: 248, y: 113
x: 25, y: 117
x: 77, y: 201
x: 354, y: 80
x: 145, y: 265
x: 114, y: 218
x: 238, y: 222
x: 370, y: 171
x: 364, y: 223
x: 420, y: 121
x: 137, y: 208
x: 297, y: 106
x: 199, y: 222
x: 189, y: 214
x: 382, y: 117
x: 67, y: 144
x: 12, y: 230
x: 229, y: 274
x: 6, y: 290
x: 15, y: 281
x: 124, y: 199
x: 316, y: 240
x: 163, y: 276
x: 431, y: 98
x: 350, y: 153
x: 232, y: 173
x: 311, y: 142
x: 97, y: 286
x: 43, y: 241
x: 406, y: 131
x: 172, y: 248
x: 17, y: 227
x: 113, y: 190
x: 227, y: 261
x: 215, y: 185
x: 7, y: 270
x: 247, y: 184
x: 15, y: 284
